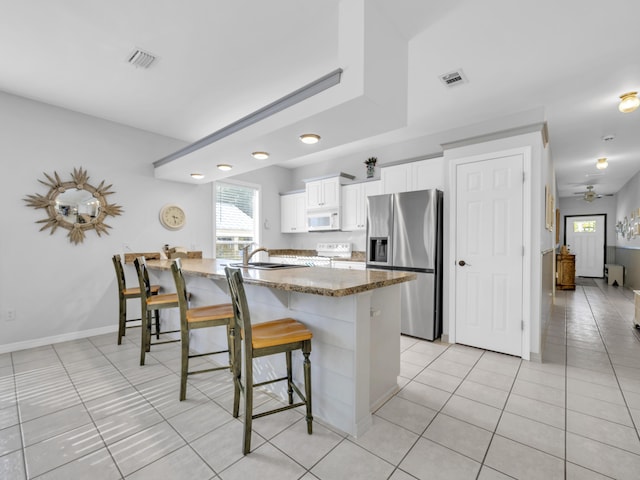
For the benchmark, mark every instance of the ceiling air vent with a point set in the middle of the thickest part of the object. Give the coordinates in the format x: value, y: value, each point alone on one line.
x: 141, y: 59
x: 453, y: 78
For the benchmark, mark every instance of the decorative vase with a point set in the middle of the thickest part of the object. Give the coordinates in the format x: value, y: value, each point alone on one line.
x: 371, y: 170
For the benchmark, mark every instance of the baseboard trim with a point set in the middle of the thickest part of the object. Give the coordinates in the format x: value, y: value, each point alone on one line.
x: 65, y: 337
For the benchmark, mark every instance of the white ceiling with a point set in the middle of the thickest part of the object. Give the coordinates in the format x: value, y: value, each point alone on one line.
x: 563, y: 62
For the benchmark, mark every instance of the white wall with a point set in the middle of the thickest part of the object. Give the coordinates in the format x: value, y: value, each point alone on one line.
x: 627, y: 251
x: 628, y: 200
x: 55, y: 287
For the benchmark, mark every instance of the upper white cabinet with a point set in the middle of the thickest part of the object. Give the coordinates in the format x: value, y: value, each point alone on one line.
x: 354, y: 204
x: 293, y: 213
x: 323, y: 193
x: 407, y: 177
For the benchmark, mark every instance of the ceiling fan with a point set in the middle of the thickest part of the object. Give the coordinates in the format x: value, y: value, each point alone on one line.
x: 589, y: 195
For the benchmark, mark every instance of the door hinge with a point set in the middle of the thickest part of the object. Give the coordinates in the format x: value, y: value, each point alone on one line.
x: 522, y: 325
x: 523, y: 174
x: 523, y: 250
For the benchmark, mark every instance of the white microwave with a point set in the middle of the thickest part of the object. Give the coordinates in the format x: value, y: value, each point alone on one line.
x: 323, y: 220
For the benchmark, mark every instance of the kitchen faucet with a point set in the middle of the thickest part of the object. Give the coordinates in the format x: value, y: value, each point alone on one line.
x: 246, y: 256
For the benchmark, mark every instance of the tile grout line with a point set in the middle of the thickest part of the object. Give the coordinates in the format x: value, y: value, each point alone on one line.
x: 105, y: 446
x: 566, y: 380
x: 493, y: 434
x: 214, y: 401
x: 19, y: 414
x: 164, y: 419
x: 397, y: 467
x: 612, y: 364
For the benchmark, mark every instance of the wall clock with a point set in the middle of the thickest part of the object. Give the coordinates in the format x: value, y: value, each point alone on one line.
x: 172, y: 217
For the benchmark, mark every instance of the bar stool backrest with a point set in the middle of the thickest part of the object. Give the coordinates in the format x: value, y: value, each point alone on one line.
x: 117, y: 264
x: 181, y: 290
x: 240, y: 307
x: 143, y: 278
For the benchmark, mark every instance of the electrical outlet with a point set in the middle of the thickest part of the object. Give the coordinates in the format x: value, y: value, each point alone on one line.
x: 11, y: 315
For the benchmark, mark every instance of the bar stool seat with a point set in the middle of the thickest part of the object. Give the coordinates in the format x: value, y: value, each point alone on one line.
x: 127, y: 293
x: 278, y: 332
x: 162, y: 299
x: 149, y: 303
x: 199, y: 317
x: 199, y: 314
x: 277, y: 336
x: 134, y: 292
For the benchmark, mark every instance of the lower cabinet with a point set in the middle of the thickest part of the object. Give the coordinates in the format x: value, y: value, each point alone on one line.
x: 565, y: 272
x: 349, y: 265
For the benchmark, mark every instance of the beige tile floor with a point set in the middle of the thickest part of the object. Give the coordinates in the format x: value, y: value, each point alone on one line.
x: 86, y: 410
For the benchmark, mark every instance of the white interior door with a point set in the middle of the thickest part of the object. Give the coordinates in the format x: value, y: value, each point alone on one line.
x: 489, y: 254
x: 585, y: 239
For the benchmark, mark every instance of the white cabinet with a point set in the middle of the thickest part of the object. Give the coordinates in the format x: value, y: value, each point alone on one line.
x: 323, y: 193
x: 293, y: 213
x: 354, y: 204
x: 407, y: 177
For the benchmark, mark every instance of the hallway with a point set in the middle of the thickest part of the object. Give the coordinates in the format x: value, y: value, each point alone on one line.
x: 85, y: 409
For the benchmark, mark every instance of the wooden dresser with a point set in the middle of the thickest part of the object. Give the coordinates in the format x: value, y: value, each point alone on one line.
x: 565, y: 272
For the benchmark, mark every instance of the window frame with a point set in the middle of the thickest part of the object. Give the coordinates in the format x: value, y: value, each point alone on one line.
x: 257, y: 208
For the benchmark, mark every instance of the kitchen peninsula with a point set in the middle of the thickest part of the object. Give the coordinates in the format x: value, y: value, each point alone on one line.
x: 354, y: 316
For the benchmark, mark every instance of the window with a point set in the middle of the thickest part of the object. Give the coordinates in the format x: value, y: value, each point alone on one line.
x: 236, y: 219
x: 584, y: 227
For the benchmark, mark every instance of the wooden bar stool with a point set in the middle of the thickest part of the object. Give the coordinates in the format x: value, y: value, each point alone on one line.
x: 125, y: 294
x: 150, y: 303
x: 199, y: 317
x: 276, y: 336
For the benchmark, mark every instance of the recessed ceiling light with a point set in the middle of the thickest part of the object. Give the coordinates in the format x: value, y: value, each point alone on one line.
x: 225, y: 167
x: 260, y: 155
x: 309, y: 138
x: 197, y: 176
x: 629, y: 102
x: 602, y: 163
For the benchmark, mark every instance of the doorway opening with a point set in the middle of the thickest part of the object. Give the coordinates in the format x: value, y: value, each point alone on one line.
x: 586, y: 237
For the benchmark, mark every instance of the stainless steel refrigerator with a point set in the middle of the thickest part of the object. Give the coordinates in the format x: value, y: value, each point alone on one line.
x: 404, y: 232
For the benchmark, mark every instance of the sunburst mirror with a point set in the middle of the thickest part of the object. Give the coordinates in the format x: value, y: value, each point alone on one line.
x: 74, y: 205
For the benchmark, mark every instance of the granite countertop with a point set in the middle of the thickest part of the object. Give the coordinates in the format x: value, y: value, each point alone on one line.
x: 315, y: 280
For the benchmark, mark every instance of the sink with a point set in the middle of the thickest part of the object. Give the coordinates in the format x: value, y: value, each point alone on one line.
x: 266, y: 265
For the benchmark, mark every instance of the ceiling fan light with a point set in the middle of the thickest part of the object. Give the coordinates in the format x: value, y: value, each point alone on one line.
x: 260, y: 155
x: 309, y: 138
x: 629, y: 102
x: 225, y: 167
x: 602, y: 163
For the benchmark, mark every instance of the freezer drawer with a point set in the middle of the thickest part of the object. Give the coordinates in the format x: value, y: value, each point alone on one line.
x: 420, y: 316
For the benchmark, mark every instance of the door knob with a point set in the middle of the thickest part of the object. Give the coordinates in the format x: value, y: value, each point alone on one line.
x: 462, y: 263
